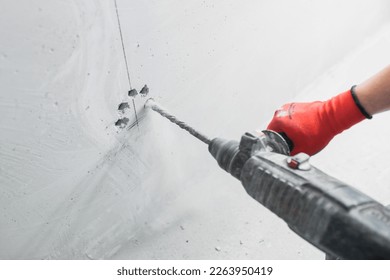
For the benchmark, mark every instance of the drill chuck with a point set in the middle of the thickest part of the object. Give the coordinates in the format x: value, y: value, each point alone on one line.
x: 226, y: 153
x: 231, y: 155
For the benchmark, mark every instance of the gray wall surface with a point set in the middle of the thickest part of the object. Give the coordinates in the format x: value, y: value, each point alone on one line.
x: 74, y: 186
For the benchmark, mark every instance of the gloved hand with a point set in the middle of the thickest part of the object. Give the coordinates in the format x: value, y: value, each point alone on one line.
x: 311, y: 126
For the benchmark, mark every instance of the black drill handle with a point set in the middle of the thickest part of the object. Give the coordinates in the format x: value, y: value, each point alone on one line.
x: 329, y: 214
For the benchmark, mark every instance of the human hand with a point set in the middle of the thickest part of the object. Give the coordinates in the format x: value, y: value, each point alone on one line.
x: 311, y: 126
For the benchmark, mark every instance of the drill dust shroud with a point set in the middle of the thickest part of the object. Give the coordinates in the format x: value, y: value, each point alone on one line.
x: 331, y: 215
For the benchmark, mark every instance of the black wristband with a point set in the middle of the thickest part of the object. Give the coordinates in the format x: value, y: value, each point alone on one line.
x: 358, y: 104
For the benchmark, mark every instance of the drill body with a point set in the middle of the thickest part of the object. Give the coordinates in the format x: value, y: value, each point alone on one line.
x: 333, y: 216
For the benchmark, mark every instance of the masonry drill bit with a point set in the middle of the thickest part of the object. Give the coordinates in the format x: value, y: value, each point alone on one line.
x: 135, y: 112
x: 150, y: 103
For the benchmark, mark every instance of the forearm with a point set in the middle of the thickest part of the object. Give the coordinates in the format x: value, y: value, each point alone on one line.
x: 374, y: 93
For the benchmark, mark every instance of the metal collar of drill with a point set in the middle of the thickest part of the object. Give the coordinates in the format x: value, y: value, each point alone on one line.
x: 232, y: 155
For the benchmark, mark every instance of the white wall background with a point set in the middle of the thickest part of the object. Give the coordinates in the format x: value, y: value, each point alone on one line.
x: 74, y: 187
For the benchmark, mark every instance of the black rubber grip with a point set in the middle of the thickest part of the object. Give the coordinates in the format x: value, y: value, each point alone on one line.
x: 331, y: 215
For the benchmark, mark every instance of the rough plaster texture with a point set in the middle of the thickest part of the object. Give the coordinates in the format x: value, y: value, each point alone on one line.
x: 74, y: 186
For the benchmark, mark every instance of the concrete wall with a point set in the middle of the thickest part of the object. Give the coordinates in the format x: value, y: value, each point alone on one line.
x: 73, y: 186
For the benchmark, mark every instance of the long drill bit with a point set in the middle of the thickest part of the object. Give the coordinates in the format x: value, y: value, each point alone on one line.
x: 150, y: 103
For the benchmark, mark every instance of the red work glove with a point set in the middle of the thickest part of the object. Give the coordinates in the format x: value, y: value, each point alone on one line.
x: 311, y: 126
